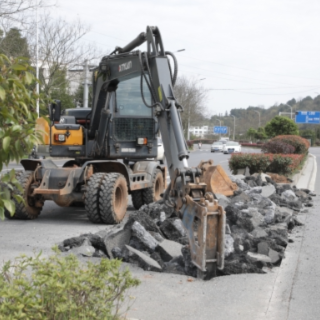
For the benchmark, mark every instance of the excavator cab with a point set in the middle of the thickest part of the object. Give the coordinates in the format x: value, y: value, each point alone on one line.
x: 120, y: 126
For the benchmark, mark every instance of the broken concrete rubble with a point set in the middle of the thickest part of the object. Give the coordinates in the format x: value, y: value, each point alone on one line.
x: 260, y: 217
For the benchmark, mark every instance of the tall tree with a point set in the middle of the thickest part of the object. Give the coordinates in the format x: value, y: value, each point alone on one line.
x: 17, y: 121
x: 13, y: 44
x: 192, y: 97
x: 281, y: 126
x: 60, y: 89
x: 60, y: 48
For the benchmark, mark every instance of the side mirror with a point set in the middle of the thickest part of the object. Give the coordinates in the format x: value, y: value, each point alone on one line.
x: 55, y: 111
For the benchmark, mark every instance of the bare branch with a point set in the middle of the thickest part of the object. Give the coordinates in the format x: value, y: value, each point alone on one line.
x: 192, y: 97
x: 60, y: 48
x: 13, y: 7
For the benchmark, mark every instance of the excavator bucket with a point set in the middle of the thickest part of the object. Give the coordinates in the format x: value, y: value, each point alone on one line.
x: 216, y: 179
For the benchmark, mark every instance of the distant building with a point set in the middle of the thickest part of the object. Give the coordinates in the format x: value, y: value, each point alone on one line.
x: 199, y: 131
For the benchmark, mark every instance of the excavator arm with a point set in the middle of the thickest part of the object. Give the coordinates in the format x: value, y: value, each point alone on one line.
x: 190, y: 191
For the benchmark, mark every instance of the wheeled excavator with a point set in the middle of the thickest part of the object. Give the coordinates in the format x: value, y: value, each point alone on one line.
x: 133, y: 101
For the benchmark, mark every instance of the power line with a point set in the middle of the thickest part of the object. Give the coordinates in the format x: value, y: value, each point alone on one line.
x: 251, y: 70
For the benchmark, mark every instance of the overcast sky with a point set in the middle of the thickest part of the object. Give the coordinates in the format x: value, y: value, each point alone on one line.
x: 250, y: 52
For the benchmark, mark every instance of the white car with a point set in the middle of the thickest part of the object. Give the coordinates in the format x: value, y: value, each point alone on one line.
x: 231, y: 147
x: 217, y: 146
x: 160, y: 156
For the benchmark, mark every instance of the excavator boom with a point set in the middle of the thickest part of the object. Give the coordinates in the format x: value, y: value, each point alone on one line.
x: 190, y: 191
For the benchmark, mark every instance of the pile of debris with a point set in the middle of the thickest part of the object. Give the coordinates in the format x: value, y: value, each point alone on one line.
x: 260, y: 216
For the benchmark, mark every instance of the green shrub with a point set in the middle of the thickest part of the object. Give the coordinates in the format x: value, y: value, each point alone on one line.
x: 259, y: 162
x: 256, y: 162
x: 281, y: 164
x: 62, y: 288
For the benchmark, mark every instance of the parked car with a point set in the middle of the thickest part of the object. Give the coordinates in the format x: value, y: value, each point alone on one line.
x: 231, y: 146
x: 161, y: 155
x: 217, y: 146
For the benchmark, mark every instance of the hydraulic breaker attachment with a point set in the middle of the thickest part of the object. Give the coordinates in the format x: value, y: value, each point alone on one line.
x: 216, y: 179
x: 205, y: 224
x: 202, y: 217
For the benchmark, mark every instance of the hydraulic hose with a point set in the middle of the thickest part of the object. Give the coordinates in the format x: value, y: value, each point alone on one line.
x: 175, y: 70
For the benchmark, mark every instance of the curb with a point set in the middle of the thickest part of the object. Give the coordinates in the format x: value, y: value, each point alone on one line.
x: 296, y: 177
x: 313, y: 177
x: 306, y: 178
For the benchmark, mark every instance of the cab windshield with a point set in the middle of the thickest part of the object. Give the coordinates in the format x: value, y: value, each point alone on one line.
x: 129, y: 100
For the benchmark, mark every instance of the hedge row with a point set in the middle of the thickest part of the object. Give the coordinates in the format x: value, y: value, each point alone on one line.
x: 246, y: 144
x: 287, y: 144
x: 259, y: 162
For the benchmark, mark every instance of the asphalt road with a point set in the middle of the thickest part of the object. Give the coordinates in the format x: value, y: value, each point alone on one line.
x: 160, y: 296
x: 288, y: 292
x: 56, y: 223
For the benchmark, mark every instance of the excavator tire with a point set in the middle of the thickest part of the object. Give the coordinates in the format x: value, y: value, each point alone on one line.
x: 153, y: 193
x: 113, y: 198
x: 137, y: 199
x: 92, y: 196
x: 24, y: 210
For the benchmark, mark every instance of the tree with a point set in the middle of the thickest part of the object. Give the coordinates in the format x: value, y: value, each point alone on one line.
x: 308, y: 134
x: 78, y: 96
x: 17, y: 121
x: 60, y: 48
x: 9, y: 8
x: 61, y: 90
x: 260, y: 134
x: 281, y: 126
x: 13, y: 44
x: 251, y: 133
x: 191, y: 96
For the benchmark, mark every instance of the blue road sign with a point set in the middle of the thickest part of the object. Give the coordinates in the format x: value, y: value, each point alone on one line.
x: 312, y: 117
x: 220, y: 130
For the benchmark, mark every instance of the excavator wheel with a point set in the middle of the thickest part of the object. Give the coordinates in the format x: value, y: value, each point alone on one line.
x: 26, y: 210
x: 137, y: 199
x: 113, y: 198
x: 92, y: 197
x: 153, y: 193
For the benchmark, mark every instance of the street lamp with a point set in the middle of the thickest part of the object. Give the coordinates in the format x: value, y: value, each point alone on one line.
x: 290, y: 109
x: 234, y: 125
x: 259, y: 116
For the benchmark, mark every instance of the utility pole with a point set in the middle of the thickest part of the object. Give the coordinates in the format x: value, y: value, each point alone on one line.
x: 86, y: 85
x: 234, y: 125
x: 220, y: 126
x: 37, y: 60
x: 188, y: 133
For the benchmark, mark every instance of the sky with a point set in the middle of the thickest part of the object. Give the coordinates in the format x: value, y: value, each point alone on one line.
x: 244, y: 52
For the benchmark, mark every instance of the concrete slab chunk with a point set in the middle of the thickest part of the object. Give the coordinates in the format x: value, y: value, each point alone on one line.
x: 169, y: 249
x: 267, y: 191
x: 144, y: 261
x: 144, y: 236
x: 117, y: 237
x: 86, y: 251
x: 274, y: 256
x: 222, y: 200
x: 263, y: 248
x: 259, y: 233
x: 281, y: 229
x: 255, y: 257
